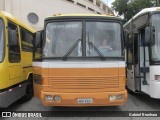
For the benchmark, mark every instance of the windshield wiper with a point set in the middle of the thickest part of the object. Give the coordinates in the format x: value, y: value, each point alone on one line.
x: 96, y: 49
x: 71, y: 49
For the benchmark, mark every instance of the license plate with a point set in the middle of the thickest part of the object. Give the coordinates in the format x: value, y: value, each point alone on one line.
x: 85, y: 101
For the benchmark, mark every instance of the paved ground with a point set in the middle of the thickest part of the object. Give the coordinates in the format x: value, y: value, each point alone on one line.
x: 136, y: 102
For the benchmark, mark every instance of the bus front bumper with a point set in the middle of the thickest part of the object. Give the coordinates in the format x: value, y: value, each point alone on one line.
x: 84, y: 99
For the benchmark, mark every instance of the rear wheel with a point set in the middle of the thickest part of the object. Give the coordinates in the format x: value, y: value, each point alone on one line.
x: 29, y: 89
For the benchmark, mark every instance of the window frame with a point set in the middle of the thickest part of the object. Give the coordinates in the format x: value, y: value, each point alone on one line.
x: 18, y: 41
x: 84, y: 20
x: 152, y: 62
x: 121, y: 37
x: 81, y: 21
x: 4, y: 40
x: 26, y: 49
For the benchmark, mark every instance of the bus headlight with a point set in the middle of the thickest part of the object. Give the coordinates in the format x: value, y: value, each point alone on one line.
x: 49, y: 98
x: 120, y: 97
x: 157, y: 77
x: 57, y: 98
x: 112, y: 98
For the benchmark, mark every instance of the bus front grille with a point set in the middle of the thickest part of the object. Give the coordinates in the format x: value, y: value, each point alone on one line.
x: 83, y: 83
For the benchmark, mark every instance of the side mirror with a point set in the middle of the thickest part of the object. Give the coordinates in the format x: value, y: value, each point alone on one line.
x: 38, y: 39
x: 126, y: 38
x: 37, y: 43
x: 147, y: 36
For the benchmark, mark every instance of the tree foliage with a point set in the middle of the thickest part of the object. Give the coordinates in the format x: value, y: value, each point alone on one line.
x: 129, y: 8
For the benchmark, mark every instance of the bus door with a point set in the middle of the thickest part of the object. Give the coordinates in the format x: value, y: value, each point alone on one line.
x: 14, y: 55
x: 143, y: 63
x: 135, y: 61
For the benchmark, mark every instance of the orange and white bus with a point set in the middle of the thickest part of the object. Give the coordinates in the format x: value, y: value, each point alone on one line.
x: 79, y: 61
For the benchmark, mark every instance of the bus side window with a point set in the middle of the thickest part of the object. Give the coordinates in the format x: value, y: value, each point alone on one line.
x: 27, y: 39
x: 13, y: 42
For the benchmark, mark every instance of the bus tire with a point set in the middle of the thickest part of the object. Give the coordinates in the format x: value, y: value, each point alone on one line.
x: 130, y: 91
x: 29, y: 89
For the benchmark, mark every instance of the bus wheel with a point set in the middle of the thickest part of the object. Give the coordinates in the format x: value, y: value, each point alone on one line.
x: 29, y: 90
x: 130, y: 91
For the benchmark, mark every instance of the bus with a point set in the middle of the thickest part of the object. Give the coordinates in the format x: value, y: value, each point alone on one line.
x: 143, y: 52
x: 16, y: 53
x: 79, y: 61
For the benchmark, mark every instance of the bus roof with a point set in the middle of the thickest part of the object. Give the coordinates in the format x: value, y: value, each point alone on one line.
x: 109, y: 16
x: 146, y: 10
x: 15, y: 20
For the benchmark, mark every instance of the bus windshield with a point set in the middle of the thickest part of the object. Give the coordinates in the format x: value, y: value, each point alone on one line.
x: 64, y: 39
x: 61, y: 37
x: 106, y: 36
x: 156, y: 46
x: 1, y: 40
